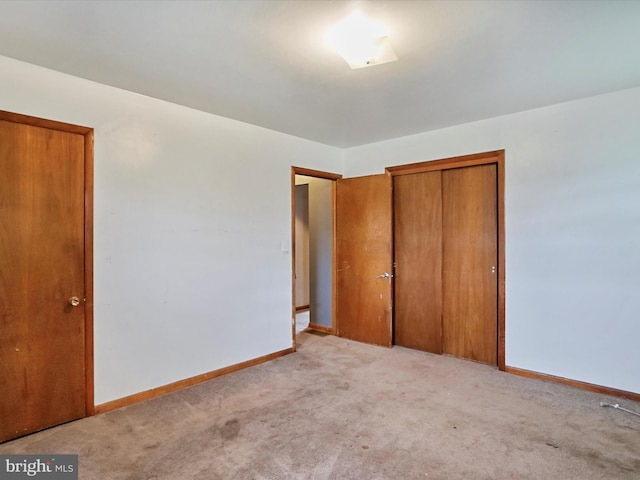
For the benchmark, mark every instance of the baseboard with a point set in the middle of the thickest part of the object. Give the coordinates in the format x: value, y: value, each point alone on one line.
x: 574, y: 383
x: 321, y: 328
x: 302, y: 308
x: 187, y: 382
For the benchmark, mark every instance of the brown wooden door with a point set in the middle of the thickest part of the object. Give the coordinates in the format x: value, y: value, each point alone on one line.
x: 417, y: 219
x: 42, y: 343
x: 363, y: 256
x: 470, y: 256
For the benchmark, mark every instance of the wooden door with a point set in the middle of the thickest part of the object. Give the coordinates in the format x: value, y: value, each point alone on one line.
x: 417, y: 218
x: 42, y: 262
x: 470, y: 256
x: 363, y: 254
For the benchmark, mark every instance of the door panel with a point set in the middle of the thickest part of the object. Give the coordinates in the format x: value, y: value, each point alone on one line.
x: 417, y: 218
x: 42, y: 348
x: 363, y: 250
x: 470, y: 263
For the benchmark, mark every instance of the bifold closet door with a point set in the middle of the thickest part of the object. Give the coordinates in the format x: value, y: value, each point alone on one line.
x: 418, y: 261
x: 470, y: 255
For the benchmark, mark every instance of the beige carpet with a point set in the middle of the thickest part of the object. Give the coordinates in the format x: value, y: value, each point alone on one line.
x: 342, y: 410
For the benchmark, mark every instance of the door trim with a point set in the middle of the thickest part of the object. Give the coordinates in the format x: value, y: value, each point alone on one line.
x: 328, y: 176
x: 494, y: 157
x: 87, y: 133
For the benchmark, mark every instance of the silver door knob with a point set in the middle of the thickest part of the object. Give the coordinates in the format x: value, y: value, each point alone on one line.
x: 385, y: 275
x: 74, y: 301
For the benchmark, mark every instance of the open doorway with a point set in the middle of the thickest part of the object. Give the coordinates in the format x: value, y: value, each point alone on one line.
x: 313, y: 226
x: 302, y: 257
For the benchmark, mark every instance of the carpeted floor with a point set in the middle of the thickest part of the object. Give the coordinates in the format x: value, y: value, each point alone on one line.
x: 338, y: 409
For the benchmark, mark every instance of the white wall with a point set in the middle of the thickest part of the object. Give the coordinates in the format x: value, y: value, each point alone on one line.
x: 572, y: 229
x: 191, y: 211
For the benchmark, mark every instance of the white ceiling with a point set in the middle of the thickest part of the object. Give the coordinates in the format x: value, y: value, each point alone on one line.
x: 264, y: 62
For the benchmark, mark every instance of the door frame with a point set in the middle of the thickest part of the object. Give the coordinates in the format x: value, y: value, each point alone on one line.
x: 494, y: 157
x: 327, y: 176
x: 87, y: 133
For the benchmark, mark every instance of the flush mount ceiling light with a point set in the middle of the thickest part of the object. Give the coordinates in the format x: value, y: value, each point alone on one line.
x: 361, y: 41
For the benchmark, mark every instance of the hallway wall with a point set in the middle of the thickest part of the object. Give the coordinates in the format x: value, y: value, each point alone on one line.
x: 302, y: 245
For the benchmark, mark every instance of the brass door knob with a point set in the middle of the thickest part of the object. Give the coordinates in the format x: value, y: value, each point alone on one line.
x: 74, y: 301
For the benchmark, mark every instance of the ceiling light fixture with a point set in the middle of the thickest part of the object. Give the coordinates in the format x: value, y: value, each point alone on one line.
x: 361, y: 41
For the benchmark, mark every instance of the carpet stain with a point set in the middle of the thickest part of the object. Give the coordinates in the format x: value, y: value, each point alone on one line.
x: 230, y: 430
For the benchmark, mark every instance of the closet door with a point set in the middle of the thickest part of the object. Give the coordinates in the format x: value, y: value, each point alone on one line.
x: 470, y: 240
x: 418, y: 261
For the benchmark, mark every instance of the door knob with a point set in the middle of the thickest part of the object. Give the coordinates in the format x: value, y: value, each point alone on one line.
x: 385, y: 275
x: 74, y: 301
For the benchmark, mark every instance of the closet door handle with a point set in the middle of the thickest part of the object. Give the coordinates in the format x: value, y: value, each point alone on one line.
x: 385, y: 275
